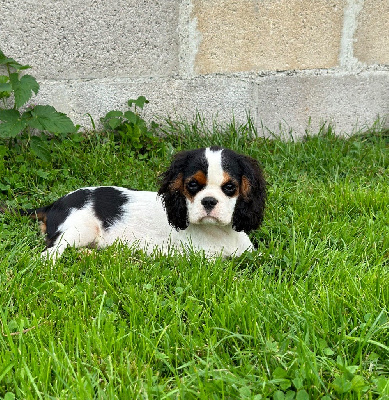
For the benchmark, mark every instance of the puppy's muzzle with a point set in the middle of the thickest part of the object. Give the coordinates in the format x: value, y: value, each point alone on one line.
x: 209, y: 203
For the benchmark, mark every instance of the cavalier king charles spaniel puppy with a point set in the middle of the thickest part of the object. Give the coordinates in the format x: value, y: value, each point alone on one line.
x: 209, y: 199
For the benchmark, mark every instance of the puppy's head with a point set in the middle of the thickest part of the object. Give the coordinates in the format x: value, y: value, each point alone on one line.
x: 214, y: 186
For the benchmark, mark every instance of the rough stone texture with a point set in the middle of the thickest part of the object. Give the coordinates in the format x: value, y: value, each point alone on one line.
x: 306, y: 102
x: 88, y: 39
x: 250, y: 35
x: 277, y: 103
x: 92, y: 56
x: 214, y: 97
x: 372, y: 35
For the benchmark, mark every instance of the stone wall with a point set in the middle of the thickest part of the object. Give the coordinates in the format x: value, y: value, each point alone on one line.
x: 291, y: 64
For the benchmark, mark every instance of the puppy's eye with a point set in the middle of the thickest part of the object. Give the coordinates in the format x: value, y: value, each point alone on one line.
x: 193, y: 187
x: 229, y: 188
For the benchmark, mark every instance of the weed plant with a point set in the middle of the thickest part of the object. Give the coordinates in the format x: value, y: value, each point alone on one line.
x: 304, y: 317
x: 34, y: 124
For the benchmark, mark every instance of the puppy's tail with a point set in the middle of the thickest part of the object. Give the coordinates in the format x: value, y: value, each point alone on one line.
x: 34, y: 213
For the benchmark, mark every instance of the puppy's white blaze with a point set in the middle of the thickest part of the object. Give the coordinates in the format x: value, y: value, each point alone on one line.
x: 215, y: 169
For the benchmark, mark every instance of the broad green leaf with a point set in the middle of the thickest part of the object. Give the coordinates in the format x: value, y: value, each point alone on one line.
x: 7, y: 61
x: 9, y: 396
x: 12, y: 123
x: 358, y: 383
x: 9, y: 115
x: 131, y: 117
x: 23, y: 88
x: 139, y: 102
x: 40, y: 148
x: 47, y: 118
x: 341, y: 385
x: 2, y: 57
x: 113, y: 114
x: 289, y: 395
x: 302, y: 395
x: 5, y: 87
x: 285, y: 384
x: 328, y: 352
x: 114, y: 122
x: 279, y: 373
x: 11, y: 62
x: 298, y: 383
x: 278, y: 395
x: 131, y: 102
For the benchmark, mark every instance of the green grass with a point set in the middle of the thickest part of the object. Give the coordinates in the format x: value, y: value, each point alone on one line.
x: 304, y: 317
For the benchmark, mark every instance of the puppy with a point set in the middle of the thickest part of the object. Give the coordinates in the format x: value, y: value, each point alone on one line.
x: 209, y: 199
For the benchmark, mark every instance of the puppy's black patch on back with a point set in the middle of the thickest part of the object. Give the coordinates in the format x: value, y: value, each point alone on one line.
x: 76, y: 199
x: 57, y: 213
x: 107, y: 204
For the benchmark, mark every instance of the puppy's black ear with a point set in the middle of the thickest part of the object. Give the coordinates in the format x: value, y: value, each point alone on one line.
x: 171, y: 190
x: 250, y: 205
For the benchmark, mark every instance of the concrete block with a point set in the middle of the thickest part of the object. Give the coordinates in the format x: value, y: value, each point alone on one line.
x: 88, y: 39
x: 278, y: 103
x: 305, y: 102
x: 213, y: 97
x: 250, y: 35
x: 372, y: 35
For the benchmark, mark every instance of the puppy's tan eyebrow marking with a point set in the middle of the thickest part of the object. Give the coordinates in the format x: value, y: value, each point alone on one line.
x: 200, y: 178
x: 228, y: 178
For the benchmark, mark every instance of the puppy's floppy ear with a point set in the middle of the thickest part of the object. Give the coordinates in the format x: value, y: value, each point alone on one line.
x: 171, y: 191
x: 250, y: 205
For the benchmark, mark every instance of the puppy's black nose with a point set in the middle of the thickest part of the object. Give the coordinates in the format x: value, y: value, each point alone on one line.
x: 209, y: 203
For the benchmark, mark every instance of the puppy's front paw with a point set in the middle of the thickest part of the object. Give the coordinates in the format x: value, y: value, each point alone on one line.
x: 50, y: 254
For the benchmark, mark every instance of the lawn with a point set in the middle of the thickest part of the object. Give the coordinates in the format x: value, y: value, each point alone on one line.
x: 304, y: 317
